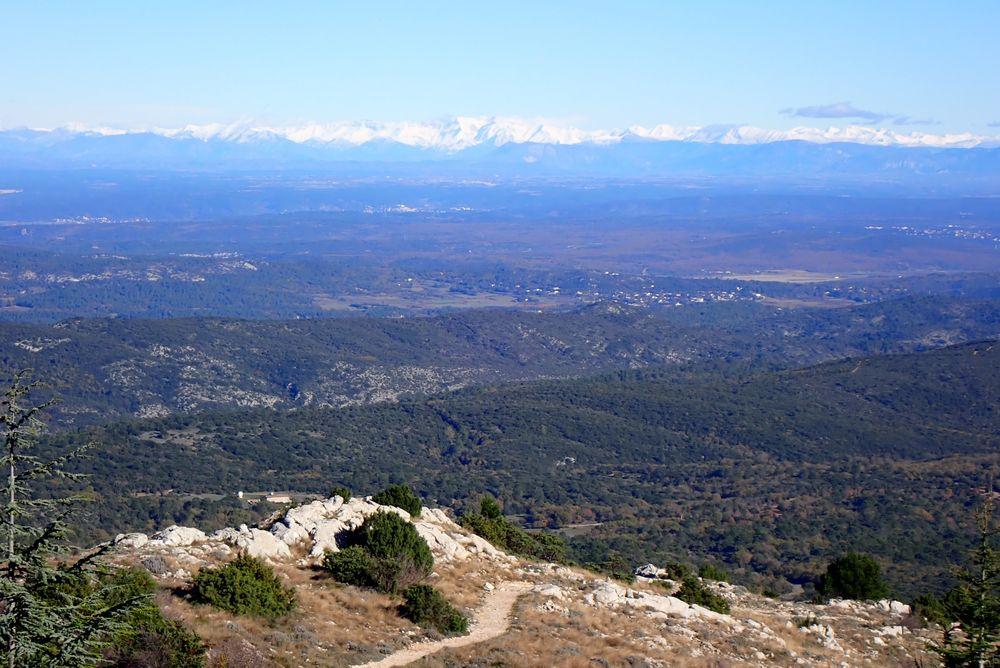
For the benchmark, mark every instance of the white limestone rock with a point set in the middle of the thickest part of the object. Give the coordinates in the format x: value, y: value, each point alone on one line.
x: 324, y: 536
x: 650, y: 571
x: 131, y: 541
x: 255, y: 542
x: 176, y: 536
x: 550, y: 590
x: 608, y: 594
x: 895, y: 607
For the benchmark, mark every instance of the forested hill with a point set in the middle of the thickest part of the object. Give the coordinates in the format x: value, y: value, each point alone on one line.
x: 771, y: 474
x: 108, y: 369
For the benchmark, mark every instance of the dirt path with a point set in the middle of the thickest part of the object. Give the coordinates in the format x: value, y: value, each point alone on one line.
x: 492, y: 620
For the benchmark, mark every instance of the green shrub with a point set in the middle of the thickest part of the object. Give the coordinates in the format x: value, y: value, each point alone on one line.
x: 713, y: 572
x: 399, y: 555
x: 854, y: 576
x: 149, y: 639
x: 400, y: 496
x: 490, y: 508
x: 426, y: 606
x: 929, y: 608
x: 677, y: 571
x: 805, y: 622
x: 615, y: 565
x: 694, y: 592
x: 156, y: 642
x: 245, y: 586
x: 386, y: 553
x: 342, y: 492
x: 490, y: 523
x: 352, y: 565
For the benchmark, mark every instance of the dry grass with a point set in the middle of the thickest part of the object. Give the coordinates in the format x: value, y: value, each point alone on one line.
x: 334, y: 624
x: 343, y: 625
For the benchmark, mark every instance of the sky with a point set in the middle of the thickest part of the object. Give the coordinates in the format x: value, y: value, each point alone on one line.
x: 912, y: 66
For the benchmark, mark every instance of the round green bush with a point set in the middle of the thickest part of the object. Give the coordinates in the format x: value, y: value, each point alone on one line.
x: 386, y: 553
x: 352, y: 565
x: 156, y: 642
x: 400, y: 496
x: 426, y: 606
x: 342, y: 492
x: 712, y: 572
x: 490, y: 508
x: 399, y: 555
x: 694, y: 592
x: 854, y: 576
x: 244, y: 586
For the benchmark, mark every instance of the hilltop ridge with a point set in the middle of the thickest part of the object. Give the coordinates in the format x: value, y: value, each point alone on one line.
x: 524, y: 612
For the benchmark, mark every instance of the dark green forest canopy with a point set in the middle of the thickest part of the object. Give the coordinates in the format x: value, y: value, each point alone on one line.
x: 771, y: 474
x: 105, y: 369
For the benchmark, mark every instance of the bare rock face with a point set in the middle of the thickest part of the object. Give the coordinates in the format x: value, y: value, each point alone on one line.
x: 313, y: 529
x: 131, y: 540
x: 608, y: 594
x: 175, y: 536
x: 255, y: 542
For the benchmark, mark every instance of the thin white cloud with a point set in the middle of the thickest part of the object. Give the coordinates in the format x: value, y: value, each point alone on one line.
x: 836, y: 110
x: 907, y: 120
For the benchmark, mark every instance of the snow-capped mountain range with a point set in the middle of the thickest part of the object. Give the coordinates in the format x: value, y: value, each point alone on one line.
x: 487, y: 147
x: 464, y: 132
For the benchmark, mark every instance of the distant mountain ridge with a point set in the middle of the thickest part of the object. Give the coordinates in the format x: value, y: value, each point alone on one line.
x: 489, y: 154
x: 462, y: 132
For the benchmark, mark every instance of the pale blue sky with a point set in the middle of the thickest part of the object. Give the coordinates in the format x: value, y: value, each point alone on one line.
x: 596, y: 64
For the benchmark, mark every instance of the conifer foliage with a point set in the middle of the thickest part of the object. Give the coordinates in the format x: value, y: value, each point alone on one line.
x: 972, y: 609
x: 46, y: 617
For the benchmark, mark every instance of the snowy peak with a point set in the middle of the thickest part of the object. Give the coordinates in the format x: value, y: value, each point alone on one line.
x: 462, y: 132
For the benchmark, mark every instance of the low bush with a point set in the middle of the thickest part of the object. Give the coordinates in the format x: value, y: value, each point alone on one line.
x: 853, y: 576
x: 615, y: 566
x: 156, y: 642
x: 713, y: 572
x: 929, y: 608
x: 342, y: 492
x: 490, y: 523
x: 805, y: 622
x: 426, y: 606
x: 148, y: 638
x: 352, y: 565
x: 386, y: 553
x: 694, y: 592
x: 244, y: 586
x: 400, y: 496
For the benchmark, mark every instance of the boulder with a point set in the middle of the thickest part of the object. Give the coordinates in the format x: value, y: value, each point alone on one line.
x: 550, y: 590
x: 131, y: 540
x: 649, y: 571
x: 895, y: 607
x: 255, y: 542
x: 608, y: 594
x: 324, y: 536
x: 175, y: 536
x: 290, y: 535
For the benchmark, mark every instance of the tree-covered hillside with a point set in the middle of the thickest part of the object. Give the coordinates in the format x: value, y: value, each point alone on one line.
x: 769, y: 473
x: 107, y: 368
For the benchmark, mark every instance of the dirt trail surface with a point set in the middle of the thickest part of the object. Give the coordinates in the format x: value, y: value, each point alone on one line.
x: 492, y: 620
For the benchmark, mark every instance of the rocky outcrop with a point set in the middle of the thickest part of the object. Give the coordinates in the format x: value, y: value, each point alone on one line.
x: 255, y: 542
x: 560, y: 601
x: 608, y: 594
x: 311, y: 529
x: 175, y: 536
